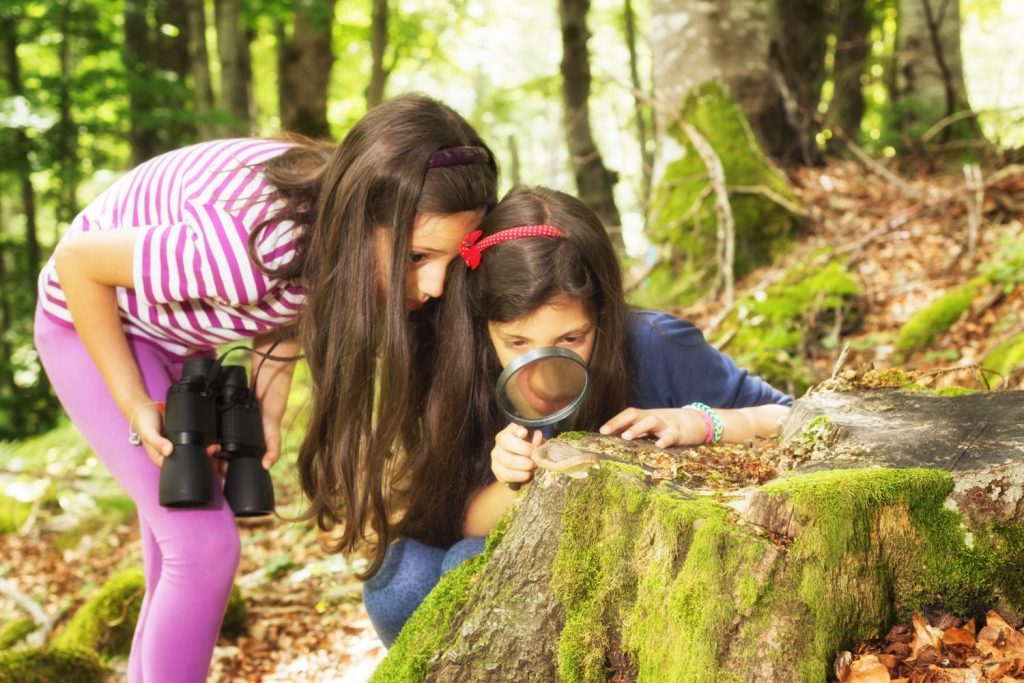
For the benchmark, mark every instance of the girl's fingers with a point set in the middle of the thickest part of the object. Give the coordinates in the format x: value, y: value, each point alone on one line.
x: 620, y: 421
x: 667, y: 438
x: 506, y: 475
x: 511, y: 461
x: 538, y: 438
x: 645, y: 425
x: 514, y: 444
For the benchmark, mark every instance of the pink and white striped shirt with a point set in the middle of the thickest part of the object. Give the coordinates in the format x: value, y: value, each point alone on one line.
x: 195, y: 285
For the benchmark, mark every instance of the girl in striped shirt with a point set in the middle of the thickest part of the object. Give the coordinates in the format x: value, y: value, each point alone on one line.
x: 253, y: 238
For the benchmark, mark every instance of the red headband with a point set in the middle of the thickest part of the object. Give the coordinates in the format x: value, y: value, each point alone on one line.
x: 471, y: 249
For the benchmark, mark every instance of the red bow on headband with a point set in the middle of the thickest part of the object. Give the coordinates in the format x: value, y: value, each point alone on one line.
x: 471, y: 249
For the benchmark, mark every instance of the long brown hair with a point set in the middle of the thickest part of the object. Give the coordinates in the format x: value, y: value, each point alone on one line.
x: 367, y: 365
x: 514, y: 279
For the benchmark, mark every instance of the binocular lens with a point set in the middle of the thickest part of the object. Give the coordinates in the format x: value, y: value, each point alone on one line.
x: 186, y: 479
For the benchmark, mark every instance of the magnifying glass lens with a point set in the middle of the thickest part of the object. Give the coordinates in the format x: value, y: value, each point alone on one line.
x: 542, y: 387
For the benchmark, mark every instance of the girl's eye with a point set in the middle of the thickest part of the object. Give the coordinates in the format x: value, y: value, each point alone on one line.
x: 417, y: 257
x: 518, y: 344
x: 571, y: 340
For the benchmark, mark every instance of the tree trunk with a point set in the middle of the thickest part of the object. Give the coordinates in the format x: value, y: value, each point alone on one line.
x: 853, y: 46
x: 694, y: 42
x: 642, y: 109
x: 22, y: 151
x: 304, y: 68
x: 378, y: 46
x: 199, y: 60
x: 930, y: 90
x: 685, y: 569
x: 799, y: 50
x: 142, y: 100
x: 66, y: 144
x: 594, y: 181
x: 233, y: 49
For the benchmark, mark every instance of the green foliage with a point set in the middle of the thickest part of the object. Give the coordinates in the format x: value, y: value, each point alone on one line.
x: 50, y: 664
x: 1005, y: 358
x: 954, y: 391
x: 936, y: 318
x: 13, y: 514
x: 683, y: 205
x: 800, y: 310
x: 1006, y: 266
x: 14, y: 631
x: 106, y: 623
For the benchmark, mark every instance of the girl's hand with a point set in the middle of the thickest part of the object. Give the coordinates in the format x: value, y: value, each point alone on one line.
x: 148, y: 423
x: 671, y: 426
x: 272, y: 439
x: 510, y: 458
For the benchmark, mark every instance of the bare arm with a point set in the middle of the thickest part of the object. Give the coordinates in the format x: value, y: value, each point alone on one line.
x: 90, y: 266
x: 273, y: 383
x: 684, y: 426
x: 486, y: 508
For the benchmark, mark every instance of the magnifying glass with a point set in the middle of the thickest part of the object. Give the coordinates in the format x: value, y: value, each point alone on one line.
x: 542, y: 387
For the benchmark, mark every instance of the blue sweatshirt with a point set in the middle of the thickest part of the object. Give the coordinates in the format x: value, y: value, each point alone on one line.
x: 673, y: 366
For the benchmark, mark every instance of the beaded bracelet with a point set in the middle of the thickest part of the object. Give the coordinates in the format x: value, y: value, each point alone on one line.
x: 712, y: 422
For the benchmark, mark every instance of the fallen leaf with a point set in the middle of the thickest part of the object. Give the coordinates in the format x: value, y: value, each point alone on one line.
x: 868, y: 669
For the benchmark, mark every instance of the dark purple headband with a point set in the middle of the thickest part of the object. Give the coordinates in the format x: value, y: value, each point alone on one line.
x: 456, y: 156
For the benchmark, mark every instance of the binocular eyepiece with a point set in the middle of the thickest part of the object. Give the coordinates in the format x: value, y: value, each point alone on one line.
x: 202, y: 411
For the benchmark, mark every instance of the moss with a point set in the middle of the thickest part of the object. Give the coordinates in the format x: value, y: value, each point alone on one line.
x: 772, y: 327
x: 699, y: 573
x: 48, y: 665
x: 13, y: 514
x: 14, y: 631
x: 954, y: 391
x: 691, y: 595
x: 106, y: 623
x: 427, y: 628
x: 684, y: 215
x: 1005, y: 358
x: 235, y: 616
x: 886, y: 378
x: 936, y: 318
x: 839, y: 516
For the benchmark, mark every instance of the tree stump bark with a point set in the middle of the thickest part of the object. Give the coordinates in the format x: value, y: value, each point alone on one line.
x: 650, y: 572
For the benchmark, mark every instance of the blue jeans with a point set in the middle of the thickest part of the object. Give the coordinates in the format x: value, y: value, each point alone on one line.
x: 410, y: 571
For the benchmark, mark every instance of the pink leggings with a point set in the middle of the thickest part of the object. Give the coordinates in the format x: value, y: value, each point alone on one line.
x: 189, y: 556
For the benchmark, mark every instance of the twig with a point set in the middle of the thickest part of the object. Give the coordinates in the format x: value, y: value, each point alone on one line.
x: 38, y: 614
x: 975, y: 199
x: 945, y: 122
x: 726, y: 225
x: 869, y: 163
x: 772, y: 195
x: 1004, y: 173
x: 841, y: 360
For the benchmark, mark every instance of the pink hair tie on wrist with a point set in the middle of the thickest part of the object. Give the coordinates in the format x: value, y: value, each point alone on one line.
x: 712, y: 422
x: 471, y: 249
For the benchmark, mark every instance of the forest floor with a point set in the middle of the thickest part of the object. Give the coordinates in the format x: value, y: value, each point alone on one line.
x: 906, y: 242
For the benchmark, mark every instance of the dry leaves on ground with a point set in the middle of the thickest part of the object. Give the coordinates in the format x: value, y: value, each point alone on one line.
x: 945, y: 652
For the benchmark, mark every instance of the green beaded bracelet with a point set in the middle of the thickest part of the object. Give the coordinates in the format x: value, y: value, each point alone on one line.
x: 712, y: 421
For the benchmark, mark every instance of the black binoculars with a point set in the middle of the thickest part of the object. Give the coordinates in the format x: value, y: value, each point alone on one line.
x: 212, y: 403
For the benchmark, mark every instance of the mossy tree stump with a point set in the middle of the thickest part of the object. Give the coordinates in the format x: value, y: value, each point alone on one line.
x: 620, y: 575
